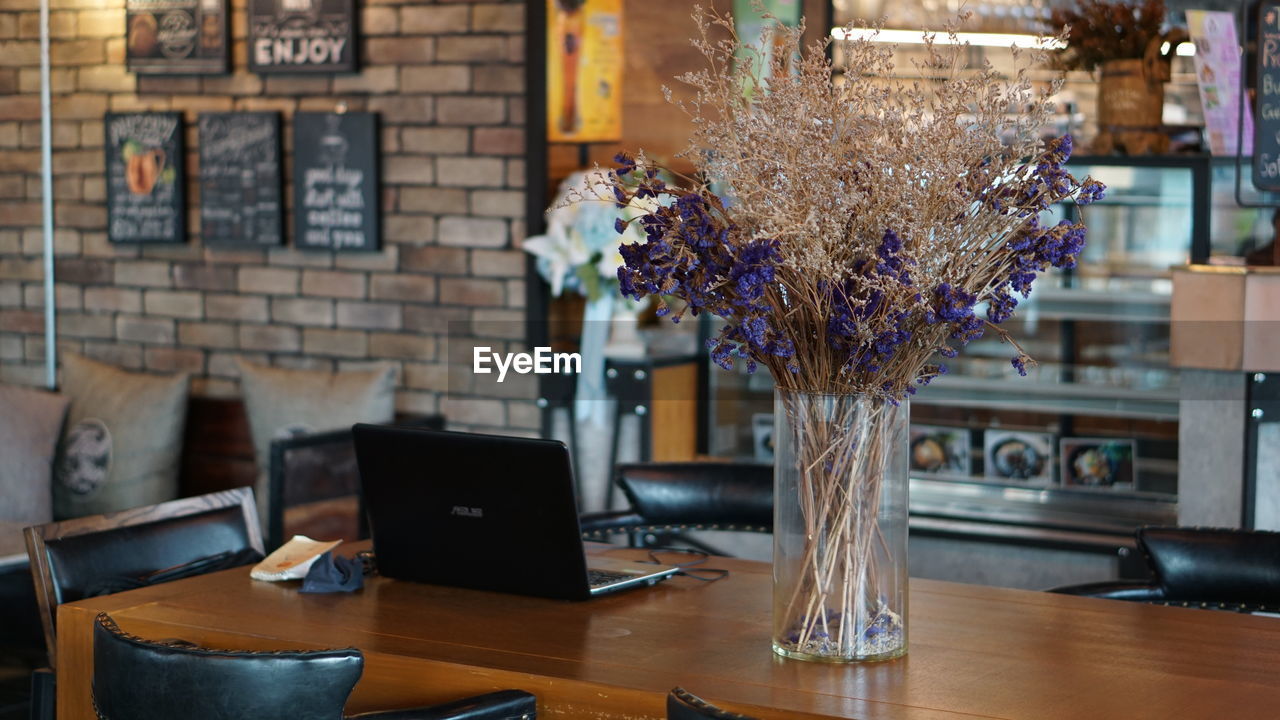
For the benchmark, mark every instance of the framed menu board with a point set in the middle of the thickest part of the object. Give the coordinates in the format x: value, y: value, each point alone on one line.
x: 144, y: 159
x: 176, y: 37
x: 240, y: 192
x: 335, y: 181
x: 302, y: 36
x: 1266, y: 127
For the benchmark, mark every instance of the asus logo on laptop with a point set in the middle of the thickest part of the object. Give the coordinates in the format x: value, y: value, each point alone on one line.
x: 464, y: 511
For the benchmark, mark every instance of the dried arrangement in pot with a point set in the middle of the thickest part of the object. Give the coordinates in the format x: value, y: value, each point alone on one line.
x: 1122, y: 41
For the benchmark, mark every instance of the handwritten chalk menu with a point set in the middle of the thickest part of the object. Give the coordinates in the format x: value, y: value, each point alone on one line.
x: 144, y: 161
x: 335, y: 180
x: 302, y: 36
x: 240, y: 201
x: 176, y: 36
x: 1266, y: 129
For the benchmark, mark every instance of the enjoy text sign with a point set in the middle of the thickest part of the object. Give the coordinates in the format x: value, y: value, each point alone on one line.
x: 302, y: 36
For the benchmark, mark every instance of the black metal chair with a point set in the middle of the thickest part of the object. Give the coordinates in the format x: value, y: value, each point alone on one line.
x: 1210, y: 568
x: 684, y: 705
x: 668, y: 499
x: 138, y: 679
x: 314, y: 485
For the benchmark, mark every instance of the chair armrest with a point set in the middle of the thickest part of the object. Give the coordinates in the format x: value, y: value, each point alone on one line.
x: 1115, y: 590
x: 599, y: 524
x: 501, y: 705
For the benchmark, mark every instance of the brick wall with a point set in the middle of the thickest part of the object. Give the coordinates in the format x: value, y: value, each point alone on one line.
x: 448, y: 81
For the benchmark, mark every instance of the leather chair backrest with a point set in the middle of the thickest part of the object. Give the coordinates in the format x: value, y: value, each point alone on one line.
x: 136, y: 679
x: 86, y: 565
x: 700, y: 492
x: 1214, y: 565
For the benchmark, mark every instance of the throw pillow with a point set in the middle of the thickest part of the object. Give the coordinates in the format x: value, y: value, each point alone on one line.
x: 123, y: 441
x: 30, y: 425
x: 284, y: 403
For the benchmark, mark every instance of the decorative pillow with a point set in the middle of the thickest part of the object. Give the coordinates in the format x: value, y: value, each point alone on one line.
x: 30, y: 425
x: 285, y: 403
x: 123, y: 440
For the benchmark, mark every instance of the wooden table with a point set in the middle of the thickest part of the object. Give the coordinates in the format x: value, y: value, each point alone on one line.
x: 974, y: 651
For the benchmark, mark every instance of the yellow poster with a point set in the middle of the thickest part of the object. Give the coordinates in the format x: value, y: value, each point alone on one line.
x: 584, y: 70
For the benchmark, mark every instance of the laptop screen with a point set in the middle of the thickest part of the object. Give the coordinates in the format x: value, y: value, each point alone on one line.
x: 486, y: 512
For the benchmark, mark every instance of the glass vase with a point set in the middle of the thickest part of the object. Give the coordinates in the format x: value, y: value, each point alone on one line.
x: 840, y: 527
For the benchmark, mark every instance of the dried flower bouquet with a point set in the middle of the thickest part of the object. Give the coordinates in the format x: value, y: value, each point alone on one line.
x: 1101, y: 30
x: 862, y: 226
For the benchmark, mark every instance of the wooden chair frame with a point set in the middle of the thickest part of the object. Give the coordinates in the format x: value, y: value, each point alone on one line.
x: 37, y: 537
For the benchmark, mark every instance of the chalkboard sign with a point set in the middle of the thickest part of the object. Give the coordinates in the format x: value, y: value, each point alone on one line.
x: 302, y: 36
x: 240, y: 200
x: 176, y: 37
x: 145, y: 183
x: 335, y: 180
x: 1266, y: 128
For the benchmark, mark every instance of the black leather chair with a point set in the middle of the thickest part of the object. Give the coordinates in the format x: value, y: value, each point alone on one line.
x: 137, y: 679
x: 103, y: 554
x: 1211, y: 568
x: 670, y: 498
x: 684, y: 705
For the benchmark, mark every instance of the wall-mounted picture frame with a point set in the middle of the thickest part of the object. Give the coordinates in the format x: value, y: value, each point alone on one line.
x: 335, y: 181
x: 584, y: 70
x: 940, y: 450
x: 177, y: 37
x: 1097, y: 462
x: 146, y: 200
x: 303, y: 36
x: 241, y: 200
x: 1025, y: 457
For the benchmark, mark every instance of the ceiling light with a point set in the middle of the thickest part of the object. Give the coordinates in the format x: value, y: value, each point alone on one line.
x: 916, y: 37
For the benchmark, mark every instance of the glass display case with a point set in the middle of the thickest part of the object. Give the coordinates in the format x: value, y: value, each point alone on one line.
x: 1088, y: 441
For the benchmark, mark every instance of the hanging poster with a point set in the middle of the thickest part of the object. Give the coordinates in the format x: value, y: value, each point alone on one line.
x: 240, y: 178
x: 144, y: 177
x: 176, y: 37
x: 1217, y: 62
x: 584, y: 70
x: 335, y: 181
x: 302, y: 36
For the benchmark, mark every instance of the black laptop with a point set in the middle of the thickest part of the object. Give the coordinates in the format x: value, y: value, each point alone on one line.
x: 486, y: 512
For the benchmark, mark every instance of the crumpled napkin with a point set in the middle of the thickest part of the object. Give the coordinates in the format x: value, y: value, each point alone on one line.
x: 333, y: 573
x: 292, y: 560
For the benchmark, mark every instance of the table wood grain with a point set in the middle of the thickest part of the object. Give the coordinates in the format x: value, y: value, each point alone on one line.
x: 974, y: 652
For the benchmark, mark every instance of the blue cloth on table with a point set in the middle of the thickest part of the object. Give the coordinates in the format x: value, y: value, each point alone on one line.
x: 333, y: 573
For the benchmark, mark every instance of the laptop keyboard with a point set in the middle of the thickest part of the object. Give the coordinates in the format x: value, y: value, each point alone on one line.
x: 600, y: 578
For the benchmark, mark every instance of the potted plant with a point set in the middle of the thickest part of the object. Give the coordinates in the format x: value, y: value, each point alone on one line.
x: 859, y: 233
x: 1122, y: 41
